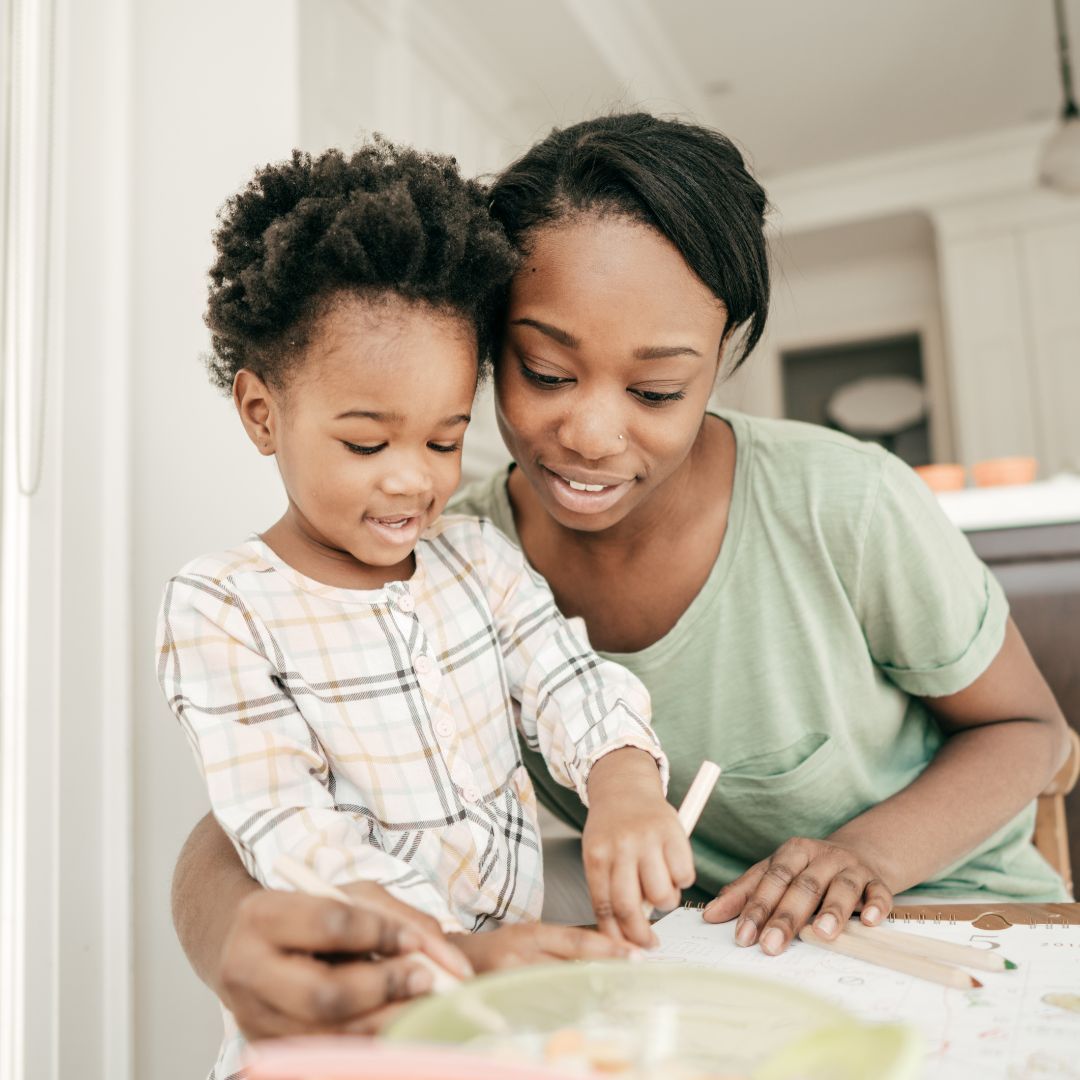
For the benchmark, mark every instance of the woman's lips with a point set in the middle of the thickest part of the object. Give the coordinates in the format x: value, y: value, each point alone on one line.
x: 398, y: 529
x: 591, y: 495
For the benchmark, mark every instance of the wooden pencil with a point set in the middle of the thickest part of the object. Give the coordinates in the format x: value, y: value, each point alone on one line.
x: 697, y: 795
x: 873, y: 952
x: 946, y: 951
x: 302, y: 878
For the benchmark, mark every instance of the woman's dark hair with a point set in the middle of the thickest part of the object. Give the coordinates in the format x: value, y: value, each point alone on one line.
x: 387, y: 221
x: 687, y: 182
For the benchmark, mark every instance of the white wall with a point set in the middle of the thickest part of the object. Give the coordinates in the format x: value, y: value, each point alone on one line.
x: 849, y: 283
x: 216, y: 92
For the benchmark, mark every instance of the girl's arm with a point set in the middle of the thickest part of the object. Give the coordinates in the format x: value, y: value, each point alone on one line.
x: 1006, y: 739
x: 256, y: 948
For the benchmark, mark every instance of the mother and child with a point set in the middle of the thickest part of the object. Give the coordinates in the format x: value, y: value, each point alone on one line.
x: 383, y: 690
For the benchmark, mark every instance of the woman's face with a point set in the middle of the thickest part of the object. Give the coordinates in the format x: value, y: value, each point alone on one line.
x: 609, y: 358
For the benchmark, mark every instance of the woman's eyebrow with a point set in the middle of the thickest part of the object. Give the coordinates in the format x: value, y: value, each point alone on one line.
x: 659, y: 352
x: 553, y: 332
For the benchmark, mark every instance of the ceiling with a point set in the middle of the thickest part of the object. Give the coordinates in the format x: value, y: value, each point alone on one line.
x: 798, y: 83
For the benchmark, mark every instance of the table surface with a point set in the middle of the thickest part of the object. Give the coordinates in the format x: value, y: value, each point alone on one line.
x: 990, y: 916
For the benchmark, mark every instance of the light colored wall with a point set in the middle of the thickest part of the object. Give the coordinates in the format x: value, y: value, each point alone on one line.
x: 215, y: 91
x: 847, y: 283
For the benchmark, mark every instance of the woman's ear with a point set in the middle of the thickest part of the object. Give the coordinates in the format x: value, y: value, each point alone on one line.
x: 257, y: 409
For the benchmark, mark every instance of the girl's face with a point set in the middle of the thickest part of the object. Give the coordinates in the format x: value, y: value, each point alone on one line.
x: 610, y: 354
x: 368, y: 429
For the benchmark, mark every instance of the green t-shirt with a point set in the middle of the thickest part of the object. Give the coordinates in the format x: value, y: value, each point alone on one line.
x: 840, y: 590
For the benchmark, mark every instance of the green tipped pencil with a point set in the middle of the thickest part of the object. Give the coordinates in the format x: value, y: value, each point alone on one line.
x: 932, y: 949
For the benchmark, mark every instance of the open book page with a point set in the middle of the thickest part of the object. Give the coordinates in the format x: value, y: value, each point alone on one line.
x: 1022, y: 1024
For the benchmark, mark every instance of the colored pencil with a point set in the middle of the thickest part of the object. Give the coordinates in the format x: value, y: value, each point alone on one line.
x: 874, y: 952
x: 946, y: 951
x: 697, y: 795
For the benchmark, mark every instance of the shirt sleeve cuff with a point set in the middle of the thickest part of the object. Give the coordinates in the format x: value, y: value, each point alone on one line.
x: 960, y: 672
x: 638, y: 742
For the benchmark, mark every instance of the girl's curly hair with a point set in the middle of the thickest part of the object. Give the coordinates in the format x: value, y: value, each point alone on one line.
x: 387, y: 221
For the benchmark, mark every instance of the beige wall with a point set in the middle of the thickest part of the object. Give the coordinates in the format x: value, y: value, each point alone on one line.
x: 215, y: 92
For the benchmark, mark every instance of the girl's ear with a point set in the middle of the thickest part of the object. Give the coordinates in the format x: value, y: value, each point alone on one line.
x: 256, y: 407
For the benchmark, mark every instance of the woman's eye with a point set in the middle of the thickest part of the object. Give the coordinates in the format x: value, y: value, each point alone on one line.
x: 366, y: 450
x: 541, y: 379
x: 444, y: 448
x: 656, y: 397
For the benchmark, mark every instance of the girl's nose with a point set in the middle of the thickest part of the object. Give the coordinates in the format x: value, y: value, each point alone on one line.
x: 407, y: 479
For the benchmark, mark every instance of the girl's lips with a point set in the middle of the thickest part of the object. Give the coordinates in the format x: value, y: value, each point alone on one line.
x: 585, y: 502
x: 399, y: 531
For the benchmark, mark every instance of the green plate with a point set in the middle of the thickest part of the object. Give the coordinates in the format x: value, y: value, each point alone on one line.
x: 668, y: 1019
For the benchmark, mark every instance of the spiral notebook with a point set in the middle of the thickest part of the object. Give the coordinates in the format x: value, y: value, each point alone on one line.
x: 1023, y: 1024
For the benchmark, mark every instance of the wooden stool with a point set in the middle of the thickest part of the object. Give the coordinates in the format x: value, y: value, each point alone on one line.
x: 1051, y: 833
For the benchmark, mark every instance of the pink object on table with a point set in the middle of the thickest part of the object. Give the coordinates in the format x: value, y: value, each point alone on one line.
x: 346, y: 1057
x: 942, y: 477
x: 1006, y: 470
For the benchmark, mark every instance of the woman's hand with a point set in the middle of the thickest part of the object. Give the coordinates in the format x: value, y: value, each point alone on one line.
x: 296, y: 964
x: 633, y: 846
x: 780, y: 895
x: 536, y: 943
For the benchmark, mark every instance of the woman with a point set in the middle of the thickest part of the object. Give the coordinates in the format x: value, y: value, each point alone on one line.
x: 797, y: 605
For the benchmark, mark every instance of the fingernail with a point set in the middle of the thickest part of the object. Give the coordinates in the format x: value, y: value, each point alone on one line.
x: 655, y: 942
x: 418, y: 981
x: 772, y: 941
x: 871, y: 915
x: 827, y: 924
x: 745, y: 932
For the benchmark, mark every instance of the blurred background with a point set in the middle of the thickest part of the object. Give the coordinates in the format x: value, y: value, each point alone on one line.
x: 918, y: 259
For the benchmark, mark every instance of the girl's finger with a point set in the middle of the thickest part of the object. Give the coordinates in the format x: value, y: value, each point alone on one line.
x: 680, y: 860
x: 626, y: 902
x: 732, y: 898
x: 577, y: 943
x: 845, y: 893
x: 598, y: 879
x: 657, y: 885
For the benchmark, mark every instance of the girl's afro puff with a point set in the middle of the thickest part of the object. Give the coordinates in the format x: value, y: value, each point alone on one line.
x: 387, y: 221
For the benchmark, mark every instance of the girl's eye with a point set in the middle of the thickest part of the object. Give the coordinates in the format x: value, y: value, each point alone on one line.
x: 540, y: 379
x: 655, y: 397
x: 366, y: 450
x: 444, y: 448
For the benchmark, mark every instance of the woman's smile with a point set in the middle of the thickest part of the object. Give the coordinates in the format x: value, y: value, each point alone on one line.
x: 584, y: 492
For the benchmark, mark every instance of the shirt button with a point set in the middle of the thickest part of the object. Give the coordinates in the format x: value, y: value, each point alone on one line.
x: 444, y: 728
x: 406, y: 603
x: 470, y: 795
x: 422, y: 664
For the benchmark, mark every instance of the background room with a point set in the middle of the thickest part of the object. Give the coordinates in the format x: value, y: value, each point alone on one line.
x: 926, y: 288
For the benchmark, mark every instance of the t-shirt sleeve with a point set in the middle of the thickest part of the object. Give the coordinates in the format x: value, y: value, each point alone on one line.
x: 933, y: 615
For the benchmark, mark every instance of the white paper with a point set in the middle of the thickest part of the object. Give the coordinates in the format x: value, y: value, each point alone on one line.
x: 1010, y: 1029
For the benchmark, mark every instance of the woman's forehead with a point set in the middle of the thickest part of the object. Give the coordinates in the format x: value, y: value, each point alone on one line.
x: 594, y: 269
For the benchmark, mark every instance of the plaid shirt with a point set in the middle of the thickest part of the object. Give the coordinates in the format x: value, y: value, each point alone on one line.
x: 374, y: 734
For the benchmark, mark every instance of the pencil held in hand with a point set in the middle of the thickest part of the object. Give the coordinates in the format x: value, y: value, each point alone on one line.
x: 877, y: 952
x: 302, y: 878
x: 692, y: 805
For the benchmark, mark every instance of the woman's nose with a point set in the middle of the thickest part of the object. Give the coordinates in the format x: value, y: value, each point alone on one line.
x: 593, y: 432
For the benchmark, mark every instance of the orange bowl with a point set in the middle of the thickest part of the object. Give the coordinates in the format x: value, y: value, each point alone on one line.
x: 942, y: 477
x: 1006, y: 470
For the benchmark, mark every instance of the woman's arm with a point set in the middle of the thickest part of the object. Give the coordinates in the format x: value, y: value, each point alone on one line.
x: 261, y: 951
x: 1006, y: 739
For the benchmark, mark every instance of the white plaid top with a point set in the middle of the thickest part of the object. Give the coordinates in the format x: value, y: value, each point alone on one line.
x: 374, y: 734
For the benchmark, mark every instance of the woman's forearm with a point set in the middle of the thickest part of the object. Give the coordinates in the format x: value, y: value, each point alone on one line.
x: 980, y: 779
x: 208, y: 886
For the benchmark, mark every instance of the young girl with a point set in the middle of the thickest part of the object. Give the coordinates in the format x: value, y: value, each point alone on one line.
x: 355, y: 679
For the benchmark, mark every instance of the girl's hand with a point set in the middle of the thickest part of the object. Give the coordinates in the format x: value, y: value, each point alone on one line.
x: 778, y: 896
x: 536, y: 943
x: 633, y: 847
x: 277, y: 976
